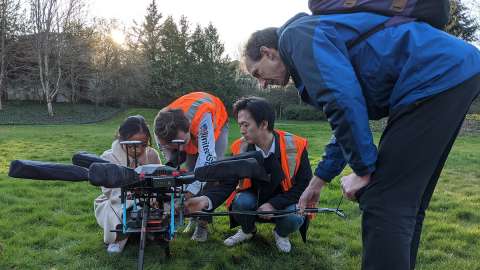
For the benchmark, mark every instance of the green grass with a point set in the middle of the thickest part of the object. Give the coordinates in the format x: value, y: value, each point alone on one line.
x: 51, y: 224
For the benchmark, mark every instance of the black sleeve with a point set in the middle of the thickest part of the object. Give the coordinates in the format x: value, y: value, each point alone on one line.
x: 220, y: 193
x: 302, y: 179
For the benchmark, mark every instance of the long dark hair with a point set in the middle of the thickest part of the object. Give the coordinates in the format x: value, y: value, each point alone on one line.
x: 133, y: 125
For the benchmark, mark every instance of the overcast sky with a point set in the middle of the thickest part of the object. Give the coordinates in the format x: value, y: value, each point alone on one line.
x: 234, y: 20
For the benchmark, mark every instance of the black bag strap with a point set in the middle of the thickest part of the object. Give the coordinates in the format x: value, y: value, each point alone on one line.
x: 359, y: 40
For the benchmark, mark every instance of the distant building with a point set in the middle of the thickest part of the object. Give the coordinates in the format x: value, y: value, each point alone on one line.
x: 32, y: 94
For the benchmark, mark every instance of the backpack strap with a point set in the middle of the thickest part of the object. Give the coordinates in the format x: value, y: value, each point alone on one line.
x: 394, y: 21
x: 359, y: 40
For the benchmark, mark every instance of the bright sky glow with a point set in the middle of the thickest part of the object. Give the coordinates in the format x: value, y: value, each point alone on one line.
x: 118, y: 36
x: 234, y: 20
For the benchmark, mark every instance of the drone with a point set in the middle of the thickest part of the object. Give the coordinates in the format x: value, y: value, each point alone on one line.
x: 148, y: 184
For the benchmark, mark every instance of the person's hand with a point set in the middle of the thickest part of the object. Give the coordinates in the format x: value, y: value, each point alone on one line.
x: 352, y: 183
x: 188, y: 195
x: 177, y: 203
x: 154, y: 203
x: 197, y: 204
x: 266, y: 207
x: 310, y: 196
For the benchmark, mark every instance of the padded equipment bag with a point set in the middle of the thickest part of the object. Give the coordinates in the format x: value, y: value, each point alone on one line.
x: 85, y: 159
x: 39, y: 170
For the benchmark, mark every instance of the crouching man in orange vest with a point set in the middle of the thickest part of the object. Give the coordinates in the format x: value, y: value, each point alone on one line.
x: 200, y: 119
x: 287, y: 164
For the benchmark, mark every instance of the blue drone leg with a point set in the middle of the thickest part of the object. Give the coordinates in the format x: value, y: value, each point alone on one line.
x: 180, y: 203
x: 172, y: 216
x: 124, y: 212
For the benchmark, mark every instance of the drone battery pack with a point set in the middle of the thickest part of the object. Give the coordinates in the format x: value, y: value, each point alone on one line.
x: 163, y: 182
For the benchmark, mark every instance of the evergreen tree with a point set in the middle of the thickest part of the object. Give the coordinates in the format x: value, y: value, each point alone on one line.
x: 461, y: 23
x: 166, y: 71
x: 149, y: 42
x: 203, y: 66
x: 185, y: 62
x: 222, y: 68
x: 149, y: 33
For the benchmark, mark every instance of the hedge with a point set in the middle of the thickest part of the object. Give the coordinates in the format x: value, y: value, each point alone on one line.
x: 304, y: 113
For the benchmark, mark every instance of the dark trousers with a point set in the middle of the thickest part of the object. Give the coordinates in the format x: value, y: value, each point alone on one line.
x: 411, y: 155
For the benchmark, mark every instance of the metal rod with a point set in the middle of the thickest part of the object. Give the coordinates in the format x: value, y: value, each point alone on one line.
x: 143, y: 234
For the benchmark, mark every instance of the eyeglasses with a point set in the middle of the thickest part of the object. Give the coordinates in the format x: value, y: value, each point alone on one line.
x: 133, y: 148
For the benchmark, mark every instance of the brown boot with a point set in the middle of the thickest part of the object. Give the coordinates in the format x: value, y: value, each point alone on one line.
x: 201, y: 231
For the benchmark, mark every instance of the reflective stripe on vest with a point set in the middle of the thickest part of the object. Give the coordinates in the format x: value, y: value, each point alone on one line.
x: 290, y: 150
x: 195, y: 105
x: 192, y: 110
x: 291, y: 154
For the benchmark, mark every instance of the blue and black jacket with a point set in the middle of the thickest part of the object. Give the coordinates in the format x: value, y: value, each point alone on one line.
x: 395, y: 66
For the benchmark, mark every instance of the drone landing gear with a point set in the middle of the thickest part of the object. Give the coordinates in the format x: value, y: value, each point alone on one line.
x: 164, y: 244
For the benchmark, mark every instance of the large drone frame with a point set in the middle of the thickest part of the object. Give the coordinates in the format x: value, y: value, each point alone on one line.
x: 162, y: 183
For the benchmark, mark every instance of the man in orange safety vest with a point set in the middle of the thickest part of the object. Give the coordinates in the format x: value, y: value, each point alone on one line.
x: 200, y: 119
x: 285, y: 161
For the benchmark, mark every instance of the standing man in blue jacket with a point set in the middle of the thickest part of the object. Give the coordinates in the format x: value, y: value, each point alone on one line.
x: 421, y: 78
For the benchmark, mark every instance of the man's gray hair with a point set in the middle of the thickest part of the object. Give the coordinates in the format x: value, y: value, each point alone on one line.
x: 267, y: 37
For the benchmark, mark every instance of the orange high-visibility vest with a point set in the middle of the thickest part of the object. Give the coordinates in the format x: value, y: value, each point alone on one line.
x: 291, y: 149
x: 195, y: 105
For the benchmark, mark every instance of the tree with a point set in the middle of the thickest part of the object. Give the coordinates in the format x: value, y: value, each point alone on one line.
x: 166, y: 70
x: 281, y: 96
x: 214, y: 72
x: 77, y: 65
x: 10, y: 23
x: 106, y: 63
x: 182, y: 62
x: 119, y: 70
x: 49, y: 18
x: 461, y: 23
x: 149, y: 34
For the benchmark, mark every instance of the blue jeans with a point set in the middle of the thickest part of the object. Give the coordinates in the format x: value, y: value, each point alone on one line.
x: 247, y: 201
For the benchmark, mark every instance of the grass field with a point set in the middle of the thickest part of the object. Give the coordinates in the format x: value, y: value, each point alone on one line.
x: 51, y: 224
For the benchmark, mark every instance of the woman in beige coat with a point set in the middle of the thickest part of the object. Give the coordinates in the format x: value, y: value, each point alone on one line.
x: 108, y: 206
